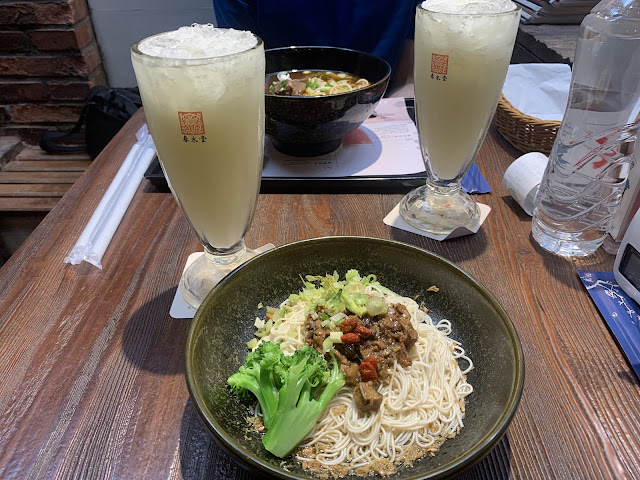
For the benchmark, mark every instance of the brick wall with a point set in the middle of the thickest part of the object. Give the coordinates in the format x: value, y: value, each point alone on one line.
x: 49, y: 59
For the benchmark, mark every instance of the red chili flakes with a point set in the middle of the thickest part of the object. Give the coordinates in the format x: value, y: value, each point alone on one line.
x: 350, y: 338
x: 368, y: 372
x: 373, y: 361
x: 348, y: 324
x: 363, y: 331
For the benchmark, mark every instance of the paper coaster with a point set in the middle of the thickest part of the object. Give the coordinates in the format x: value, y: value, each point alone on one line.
x: 180, y: 308
x: 393, y: 219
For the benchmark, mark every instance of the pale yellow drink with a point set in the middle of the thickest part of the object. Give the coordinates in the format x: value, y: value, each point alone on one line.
x: 462, y: 51
x: 206, y: 117
x: 460, y: 66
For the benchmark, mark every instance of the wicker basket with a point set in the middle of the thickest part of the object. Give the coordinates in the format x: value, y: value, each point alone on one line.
x: 526, y: 133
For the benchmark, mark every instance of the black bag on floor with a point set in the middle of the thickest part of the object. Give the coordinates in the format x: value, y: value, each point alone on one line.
x: 105, y: 112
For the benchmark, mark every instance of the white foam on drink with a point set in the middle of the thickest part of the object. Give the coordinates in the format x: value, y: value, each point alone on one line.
x: 198, y: 41
x: 469, y: 6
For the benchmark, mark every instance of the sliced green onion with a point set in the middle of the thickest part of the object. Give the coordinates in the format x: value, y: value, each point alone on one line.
x: 327, y: 345
x: 336, y: 337
x: 265, y: 330
x: 337, y: 296
x: 331, y: 340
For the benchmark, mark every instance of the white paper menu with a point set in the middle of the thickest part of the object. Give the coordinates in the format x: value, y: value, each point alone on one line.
x: 386, y: 144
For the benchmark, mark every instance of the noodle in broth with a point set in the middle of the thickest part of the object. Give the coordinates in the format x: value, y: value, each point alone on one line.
x: 313, y: 83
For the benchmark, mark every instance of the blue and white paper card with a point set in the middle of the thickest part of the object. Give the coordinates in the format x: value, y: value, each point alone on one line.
x: 474, y: 182
x: 620, y: 311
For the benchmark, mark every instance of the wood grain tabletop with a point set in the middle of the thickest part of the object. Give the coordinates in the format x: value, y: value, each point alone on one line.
x: 92, y: 365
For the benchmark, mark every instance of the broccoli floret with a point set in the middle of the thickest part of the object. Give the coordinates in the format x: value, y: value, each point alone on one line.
x: 298, y: 409
x: 293, y: 382
x: 261, y: 376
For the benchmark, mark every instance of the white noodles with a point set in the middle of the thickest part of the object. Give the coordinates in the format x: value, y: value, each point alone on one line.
x: 423, y: 404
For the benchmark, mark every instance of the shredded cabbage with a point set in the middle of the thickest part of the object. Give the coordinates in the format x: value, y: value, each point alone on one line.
x: 336, y: 295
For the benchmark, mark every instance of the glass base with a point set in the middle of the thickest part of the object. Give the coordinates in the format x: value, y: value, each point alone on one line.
x: 439, y: 209
x: 565, y: 244
x: 206, y: 272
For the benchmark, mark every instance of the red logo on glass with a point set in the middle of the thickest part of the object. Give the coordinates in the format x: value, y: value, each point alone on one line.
x: 191, y: 123
x: 439, y: 64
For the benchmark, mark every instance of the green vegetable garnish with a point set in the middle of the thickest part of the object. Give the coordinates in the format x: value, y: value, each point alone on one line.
x: 292, y: 391
x: 335, y: 295
x: 331, y: 340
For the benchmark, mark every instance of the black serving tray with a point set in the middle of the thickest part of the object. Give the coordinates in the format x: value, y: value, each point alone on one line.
x: 359, y: 184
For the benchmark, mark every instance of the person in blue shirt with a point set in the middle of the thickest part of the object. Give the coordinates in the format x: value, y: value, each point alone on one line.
x: 382, y: 27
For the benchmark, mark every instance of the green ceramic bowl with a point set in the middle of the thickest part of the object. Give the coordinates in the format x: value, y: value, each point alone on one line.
x: 216, y: 345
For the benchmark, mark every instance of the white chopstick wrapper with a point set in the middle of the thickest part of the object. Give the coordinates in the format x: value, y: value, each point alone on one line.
x: 95, y: 238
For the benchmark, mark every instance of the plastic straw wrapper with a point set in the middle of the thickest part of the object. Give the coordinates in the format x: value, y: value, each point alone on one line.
x: 97, y: 235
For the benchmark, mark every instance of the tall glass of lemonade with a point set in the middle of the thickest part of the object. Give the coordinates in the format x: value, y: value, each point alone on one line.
x: 462, y: 52
x: 202, y: 90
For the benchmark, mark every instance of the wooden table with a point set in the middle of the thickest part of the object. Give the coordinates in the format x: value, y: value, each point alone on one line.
x: 562, y: 39
x: 92, y: 365
x: 546, y: 44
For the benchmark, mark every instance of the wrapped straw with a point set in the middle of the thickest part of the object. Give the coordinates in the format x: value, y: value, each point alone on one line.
x: 95, y: 238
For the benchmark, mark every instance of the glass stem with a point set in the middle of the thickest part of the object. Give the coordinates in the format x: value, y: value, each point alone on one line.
x: 226, y: 258
x: 443, y: 187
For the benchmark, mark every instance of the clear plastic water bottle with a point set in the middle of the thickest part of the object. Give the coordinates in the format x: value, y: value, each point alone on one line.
x: 592, y: 155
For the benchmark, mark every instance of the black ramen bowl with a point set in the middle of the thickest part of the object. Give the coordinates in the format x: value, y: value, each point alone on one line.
x: 218, y: 336
x: 310, y: 126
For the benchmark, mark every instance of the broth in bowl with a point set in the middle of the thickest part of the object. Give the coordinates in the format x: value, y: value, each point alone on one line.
x: 313, y: 83
x: 311, y: 125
